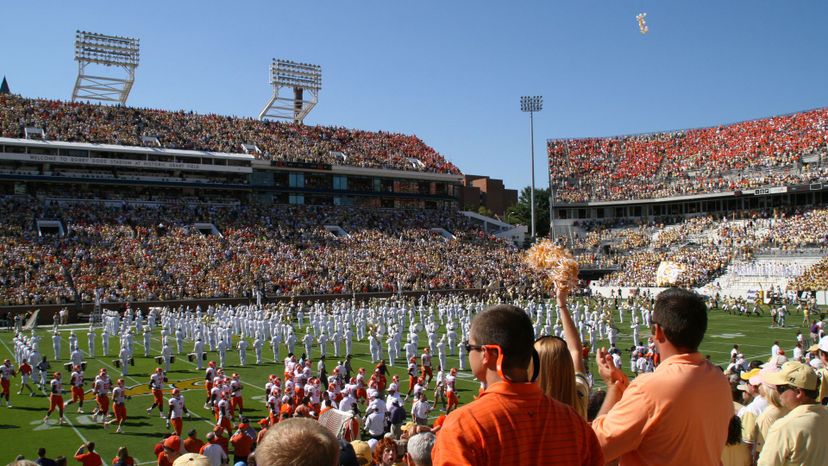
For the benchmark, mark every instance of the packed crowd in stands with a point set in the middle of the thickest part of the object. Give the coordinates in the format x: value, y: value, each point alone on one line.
x: 138, y: 253
x: 746, y: 155
x: 681, y: 232
x: 144, y: 253
x: 639, y: 268
x: 703, y: 245
x: 79, y: 122
x: 619, y: 240
x: 815, y: 278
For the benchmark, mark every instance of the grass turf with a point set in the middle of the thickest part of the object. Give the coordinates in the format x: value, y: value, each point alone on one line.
x: 25, y: 431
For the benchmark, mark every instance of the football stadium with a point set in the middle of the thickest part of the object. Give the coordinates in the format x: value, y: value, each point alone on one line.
x: 182, y: 285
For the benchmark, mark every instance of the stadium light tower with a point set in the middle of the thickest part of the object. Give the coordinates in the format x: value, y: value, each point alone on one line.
x: 532, y: 104
x: 109, y: 51
x: 305, y: 80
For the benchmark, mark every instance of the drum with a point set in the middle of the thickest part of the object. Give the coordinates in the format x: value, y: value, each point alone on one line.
x: 83, y: 366
x: 203, y: 356
x: 68, y: 367
x: 131, y: 361
x: 159, y: 360
x: 172, y: 359
x: 191, y: 357
x: 117, y: 363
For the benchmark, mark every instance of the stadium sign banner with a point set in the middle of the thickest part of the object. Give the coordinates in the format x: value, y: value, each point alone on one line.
x: 305, y: 165
x: 123, y: 163
x: 775, y: 190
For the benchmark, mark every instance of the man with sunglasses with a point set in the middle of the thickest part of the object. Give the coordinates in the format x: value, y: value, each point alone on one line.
x: 799, y: 437
x: 677, y: 414
x: 512, y: 422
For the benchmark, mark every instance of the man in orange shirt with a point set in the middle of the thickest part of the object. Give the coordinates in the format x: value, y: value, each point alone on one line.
x: 265, y: 425
x: 25, y: 371
x: 512, y: 422
x: 171, y: 451
x: 678, y: 414
x: 218, y: 431
x: 89, y: 458
x: 192, y: 444
x: 242, y: 444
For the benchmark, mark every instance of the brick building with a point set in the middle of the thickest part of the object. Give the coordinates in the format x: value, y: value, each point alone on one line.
x: 488, y: 192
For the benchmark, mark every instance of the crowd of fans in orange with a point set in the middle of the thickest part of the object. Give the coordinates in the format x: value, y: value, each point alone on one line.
x: 750, y: 154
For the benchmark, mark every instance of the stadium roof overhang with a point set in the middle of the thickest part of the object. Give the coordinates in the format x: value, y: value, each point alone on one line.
x: 359, y: 171
x: 123, y: 149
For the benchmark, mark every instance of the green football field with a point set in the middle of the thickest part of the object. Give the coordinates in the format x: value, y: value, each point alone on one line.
x: 24, y: 430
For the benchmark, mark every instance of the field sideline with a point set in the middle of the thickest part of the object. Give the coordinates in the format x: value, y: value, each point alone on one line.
x: 25, y: 431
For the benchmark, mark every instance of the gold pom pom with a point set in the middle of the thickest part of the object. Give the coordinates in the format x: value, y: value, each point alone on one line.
x: 557, y: 263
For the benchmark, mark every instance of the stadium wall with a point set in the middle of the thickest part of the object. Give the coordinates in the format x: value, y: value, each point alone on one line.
x: 815, y: 194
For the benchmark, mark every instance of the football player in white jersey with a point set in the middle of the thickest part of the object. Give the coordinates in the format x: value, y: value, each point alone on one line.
x: 55, y: 398
x: 101, y: 388
x: 156, y: 384
x: 76, y: 384
x: 451, y: 391
x: 176, y: 411
x: 223, y: 413
x: 236, y: 400
x: 209, y: 375
x: 119, y: 405
x: 6, y: 373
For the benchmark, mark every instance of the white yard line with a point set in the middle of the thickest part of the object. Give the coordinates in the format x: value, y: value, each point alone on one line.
x: 83, y: 439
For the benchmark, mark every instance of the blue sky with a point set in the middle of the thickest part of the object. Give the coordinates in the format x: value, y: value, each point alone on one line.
x: 452, y: 71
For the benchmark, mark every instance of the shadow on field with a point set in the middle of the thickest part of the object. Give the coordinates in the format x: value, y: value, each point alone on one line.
x: 156, y: 435
x: 8, y: 426
x: 137, y: 424
x: 29, y: 408
x: 88, y: 426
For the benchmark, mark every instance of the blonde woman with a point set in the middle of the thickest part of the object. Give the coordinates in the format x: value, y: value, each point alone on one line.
x: 774, y: 411
x: 562, y: 374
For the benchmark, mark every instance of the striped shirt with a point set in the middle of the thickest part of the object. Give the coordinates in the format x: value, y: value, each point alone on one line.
x: 516, y: 424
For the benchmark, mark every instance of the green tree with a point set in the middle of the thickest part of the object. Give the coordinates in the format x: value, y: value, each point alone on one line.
x: 521, y: 213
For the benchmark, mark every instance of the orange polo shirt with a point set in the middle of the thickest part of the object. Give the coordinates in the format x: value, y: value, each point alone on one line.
x: 192, y: 445
x: 89, y: 458
x: 515, y: 424
x: 242, y: 444
x: 678, y: 414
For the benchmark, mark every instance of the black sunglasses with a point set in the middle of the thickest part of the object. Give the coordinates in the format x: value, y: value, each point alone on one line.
x: 469, y: 347
x: 784, y: 388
